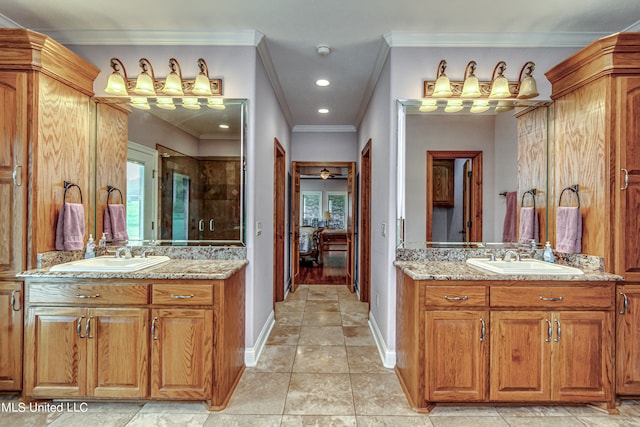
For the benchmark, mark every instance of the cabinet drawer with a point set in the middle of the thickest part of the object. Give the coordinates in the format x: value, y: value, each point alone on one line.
x: 87, y: 293
x: 182, y: 294
x: 600, y: 297
x: 456, y: 296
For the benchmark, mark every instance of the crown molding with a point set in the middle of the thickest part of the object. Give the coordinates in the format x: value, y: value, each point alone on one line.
x: 526, y: 39
x: 324, y: 128
x: 272, y: 75
x: 8, y: 22
x: 155, y: 37
x: 635, y: 27
x: 373, y: 80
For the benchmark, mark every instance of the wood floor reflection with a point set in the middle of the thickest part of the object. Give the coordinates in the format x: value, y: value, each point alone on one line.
x: 331, y: 270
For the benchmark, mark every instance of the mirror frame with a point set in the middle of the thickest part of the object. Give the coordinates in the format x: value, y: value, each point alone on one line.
x: 242, y: 240
x: 401, y: 143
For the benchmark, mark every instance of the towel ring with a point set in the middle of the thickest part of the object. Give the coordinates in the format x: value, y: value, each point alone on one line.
x: 532, y: 192
x: 67, y: 186
x: 573, y: 188
x: 111, y: 189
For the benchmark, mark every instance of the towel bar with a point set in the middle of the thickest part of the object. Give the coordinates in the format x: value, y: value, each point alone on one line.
x: 573, y: 188
x: 68, y: 185
x: 111, y: 189
x: 532, y: 192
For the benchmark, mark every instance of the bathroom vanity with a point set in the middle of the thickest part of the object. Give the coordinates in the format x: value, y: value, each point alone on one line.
x: 174, y: 331
x: 465, y: 335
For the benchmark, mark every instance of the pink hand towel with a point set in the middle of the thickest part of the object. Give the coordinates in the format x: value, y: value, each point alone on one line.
x: 70, y: 227
x: 529, y: 226
x: 115, y: 223
x: 569, y: 229
x: 509, y: 228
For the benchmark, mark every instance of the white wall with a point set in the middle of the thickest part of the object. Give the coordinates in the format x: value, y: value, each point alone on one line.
x: 324, y: 146
x: 506, y: 170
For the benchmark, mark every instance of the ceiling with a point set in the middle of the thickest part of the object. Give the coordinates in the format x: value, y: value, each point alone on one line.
x: 359, y: 33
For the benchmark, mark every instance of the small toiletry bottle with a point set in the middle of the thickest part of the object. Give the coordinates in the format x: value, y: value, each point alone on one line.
x: 90, y: 252
x: 534, y: 245
x: 548, y: 253
x: 103, y: 240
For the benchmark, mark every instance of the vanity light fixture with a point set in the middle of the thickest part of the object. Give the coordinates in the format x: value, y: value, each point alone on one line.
x: 504, y: 106
x: 216, y: 103
x: 145, y: 82
x: 453, y: 106
x: 202, y: 84
x: 165, y: 103
x: 190, y: 103
x: 140, y: 103
x: 117, y: 85
x: 173, y: 82
x: 428, y: 105
x: 471, y: 88
x: 479, y: 106
x: 527, y: 88
x: 500, y: 84
x: 443, y: 85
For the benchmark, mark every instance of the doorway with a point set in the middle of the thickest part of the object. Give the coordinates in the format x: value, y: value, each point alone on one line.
x: 365, y: 224
x: 279, y: 171
x: 322, y: 223
x: 441, y: 188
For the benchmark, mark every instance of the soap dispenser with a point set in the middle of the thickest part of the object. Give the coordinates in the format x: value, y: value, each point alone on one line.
x: 103, y: 240
x: 547, y: 255
x: 90, y: 251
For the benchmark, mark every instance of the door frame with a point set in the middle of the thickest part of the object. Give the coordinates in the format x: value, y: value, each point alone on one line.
x: 365, y: 224
x: 475, y: 234
x: 295, y: 217
x: 279, y: 191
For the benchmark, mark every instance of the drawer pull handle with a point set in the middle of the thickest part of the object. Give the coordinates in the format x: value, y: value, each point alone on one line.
x: 79, y: 327
x: 88, y: 296
x: 87, y: 330
x: 483, y: 329
x: 625, y: 303
x: 559, y: 330
x: 153, y: 329
x: 549, y: 330
x: 551, y: 298
x: 181, y: 296
x: 448, y: 298
x: 13, y: 300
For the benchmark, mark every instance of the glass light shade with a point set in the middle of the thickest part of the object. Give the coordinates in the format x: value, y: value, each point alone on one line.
x: 140, y: 103
x: 324, y: 174
x: 216, y: 103
x: 144, y: 85
x: 528, y: 88
x: 471, y: 88
x: 165, y: 103
x: 190, y: 103
x: 453, y: 106
x: 479, y: 106
x: 202, y: 86
x: 116, y: 85
x: 504, y: 106
x: 428, y: 105
x: 500, y: 88
x: 173, y: 85
x: 442, y: 88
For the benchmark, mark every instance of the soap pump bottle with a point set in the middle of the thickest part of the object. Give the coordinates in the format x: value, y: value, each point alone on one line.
x: 103, y: 240
x: 90, y: 251
x: 547, y: 255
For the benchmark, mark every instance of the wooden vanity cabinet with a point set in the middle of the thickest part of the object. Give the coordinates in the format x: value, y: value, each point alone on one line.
x: 480, y: 341
x: 11, y: 335
x: 628, y: 339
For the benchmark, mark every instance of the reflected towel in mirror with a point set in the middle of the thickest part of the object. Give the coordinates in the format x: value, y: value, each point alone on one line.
x: 115, y: 223
x: 509, y: 228
x: 529, y: 225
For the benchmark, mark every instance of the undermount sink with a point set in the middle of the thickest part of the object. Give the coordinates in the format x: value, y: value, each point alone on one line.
x: 525, y: 266
x: 110, y: 264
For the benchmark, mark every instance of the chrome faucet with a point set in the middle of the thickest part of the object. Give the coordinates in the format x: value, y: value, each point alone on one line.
x: 126, y: 250
x: 145, y: 253
x: 508, y: 254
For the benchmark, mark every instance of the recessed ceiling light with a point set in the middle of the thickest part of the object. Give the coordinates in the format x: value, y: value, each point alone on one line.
x: 323, y: 111
x: 224, y: 126
x: 322, y: 82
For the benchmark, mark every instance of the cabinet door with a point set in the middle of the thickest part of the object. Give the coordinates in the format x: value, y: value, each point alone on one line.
x: 520, y: 356
x: 443, y: 182
x: 582, y: 358
x: 181, y: 353
x: 11, y: 335
x: 456, y: 355
x: 627, y: 343
x: 626, y: 218
x: 117, y: 352
x: 55, y: 364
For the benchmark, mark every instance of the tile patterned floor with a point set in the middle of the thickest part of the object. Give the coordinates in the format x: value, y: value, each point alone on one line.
x: 320, y: 367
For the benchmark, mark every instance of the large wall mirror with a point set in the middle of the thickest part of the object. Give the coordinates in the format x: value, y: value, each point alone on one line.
x: 186, y: 173
x: 456, y: 169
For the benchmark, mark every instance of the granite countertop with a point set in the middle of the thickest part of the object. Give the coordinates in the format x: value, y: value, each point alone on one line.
x: 185, y: 269
x: 460, y: 270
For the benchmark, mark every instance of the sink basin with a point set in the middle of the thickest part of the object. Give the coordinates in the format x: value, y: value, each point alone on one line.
x: 110, y: 264
x: 525, y: 266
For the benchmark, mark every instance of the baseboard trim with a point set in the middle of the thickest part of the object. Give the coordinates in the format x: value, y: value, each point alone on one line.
x: 251, y: 355
x: 388, y: 357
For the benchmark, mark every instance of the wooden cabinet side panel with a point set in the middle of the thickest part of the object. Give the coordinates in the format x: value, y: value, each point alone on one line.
x: 54, y: 354
x: 11, y: 335
x: 410, y: 338
x: 520, y: 356
x: 627, y: 343
x: 118, y: 352
x: 228, y: 337
x: 582, y: 358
